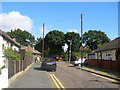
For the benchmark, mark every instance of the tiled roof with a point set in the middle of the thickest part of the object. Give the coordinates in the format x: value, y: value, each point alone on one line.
x: 28, y: 48
x: 114, y: 44
x: 6, y: 36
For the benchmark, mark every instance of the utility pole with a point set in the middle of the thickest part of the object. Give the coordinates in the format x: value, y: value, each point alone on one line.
x: 43, y: 41
x: 81, y: 36
x: 70, y: 51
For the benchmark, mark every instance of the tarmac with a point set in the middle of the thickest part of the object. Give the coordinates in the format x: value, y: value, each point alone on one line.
x: 34, y: 77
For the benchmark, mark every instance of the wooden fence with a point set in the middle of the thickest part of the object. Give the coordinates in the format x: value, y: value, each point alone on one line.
x: 105, y: 64
x: 17, y: 66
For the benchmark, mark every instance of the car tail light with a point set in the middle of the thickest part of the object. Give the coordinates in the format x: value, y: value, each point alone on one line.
x: 44, y: 60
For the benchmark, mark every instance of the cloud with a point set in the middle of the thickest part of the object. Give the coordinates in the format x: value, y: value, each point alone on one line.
x: 14, y: 20
x: 73, y: 30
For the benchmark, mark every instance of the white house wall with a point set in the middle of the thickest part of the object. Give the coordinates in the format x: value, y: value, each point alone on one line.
x: 112, y: 54
x: 15, y: 48
x: 1, y: 52
x: 4, y: 71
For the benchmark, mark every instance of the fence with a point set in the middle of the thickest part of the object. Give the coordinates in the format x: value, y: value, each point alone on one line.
x: 105, y: 64
x: 17, y: 66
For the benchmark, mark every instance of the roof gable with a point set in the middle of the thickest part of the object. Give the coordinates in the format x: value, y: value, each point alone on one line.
x: 114, y: 44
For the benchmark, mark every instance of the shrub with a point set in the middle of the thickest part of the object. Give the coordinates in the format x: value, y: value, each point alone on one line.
x: 11, y: 54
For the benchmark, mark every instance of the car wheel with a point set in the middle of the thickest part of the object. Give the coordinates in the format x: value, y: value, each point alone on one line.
x: 54, y: 70
x: 75, y: 65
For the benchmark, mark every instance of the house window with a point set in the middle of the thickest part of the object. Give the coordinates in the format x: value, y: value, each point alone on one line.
x: 108, y: 55
x: 99, y: 55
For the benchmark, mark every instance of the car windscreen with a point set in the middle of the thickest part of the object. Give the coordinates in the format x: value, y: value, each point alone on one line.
x: 50, y: 60
x: 76, y: 59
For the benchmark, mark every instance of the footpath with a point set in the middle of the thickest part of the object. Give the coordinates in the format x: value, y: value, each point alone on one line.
x: 34, y: 77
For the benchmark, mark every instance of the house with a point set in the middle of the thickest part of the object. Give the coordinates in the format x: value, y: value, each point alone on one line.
x: 106, y: 57
x: 109, y: 51
x: 5, y: 42
x: 91, y: 55
x: 29, y: 49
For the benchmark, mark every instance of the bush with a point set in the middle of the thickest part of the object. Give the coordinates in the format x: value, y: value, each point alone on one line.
x: 11, y: 54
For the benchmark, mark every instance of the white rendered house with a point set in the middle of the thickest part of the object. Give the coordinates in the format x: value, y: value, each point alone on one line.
x: 5, y: 42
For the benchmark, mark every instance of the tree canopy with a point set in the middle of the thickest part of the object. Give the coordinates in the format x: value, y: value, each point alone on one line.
x: 54, y: 40
x: 95, y: 39
x: 22, y: 37
x: 75, y: 37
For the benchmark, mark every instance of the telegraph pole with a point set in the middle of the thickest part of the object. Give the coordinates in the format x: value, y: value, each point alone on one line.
x: 81, y: 25
x: 43, y: 41
x: 81, y: 36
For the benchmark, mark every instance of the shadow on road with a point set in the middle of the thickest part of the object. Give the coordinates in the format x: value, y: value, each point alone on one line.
x: 38, y: 68
x: 115, y: 83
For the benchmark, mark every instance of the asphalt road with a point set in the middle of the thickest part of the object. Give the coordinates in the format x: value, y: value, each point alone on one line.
x: 33, y: 78
x: 64, y: 77
x: 72, y: 77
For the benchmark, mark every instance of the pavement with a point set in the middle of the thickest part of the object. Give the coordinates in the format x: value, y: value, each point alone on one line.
x: 34, y: 77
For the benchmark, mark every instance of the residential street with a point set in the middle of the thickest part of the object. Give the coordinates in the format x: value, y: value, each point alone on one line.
x: 69, y: 77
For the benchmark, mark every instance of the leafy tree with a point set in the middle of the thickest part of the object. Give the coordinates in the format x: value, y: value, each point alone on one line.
x: 54, y: 40
x: 22, y: 37
x: 39, y: 44
x: 95, y: 39
x: 75, y: 37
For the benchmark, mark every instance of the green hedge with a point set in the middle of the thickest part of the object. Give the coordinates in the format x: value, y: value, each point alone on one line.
x: 11, y: 54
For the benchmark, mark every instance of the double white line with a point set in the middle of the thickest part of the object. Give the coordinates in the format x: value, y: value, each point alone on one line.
x: 57, y: 82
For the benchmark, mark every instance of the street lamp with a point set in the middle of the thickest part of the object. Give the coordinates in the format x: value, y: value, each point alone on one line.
x: 70, y: 51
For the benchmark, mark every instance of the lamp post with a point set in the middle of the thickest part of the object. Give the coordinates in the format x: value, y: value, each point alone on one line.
x: 70, y: 51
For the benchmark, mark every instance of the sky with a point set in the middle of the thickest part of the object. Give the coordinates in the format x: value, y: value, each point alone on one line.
x: 63, y: 16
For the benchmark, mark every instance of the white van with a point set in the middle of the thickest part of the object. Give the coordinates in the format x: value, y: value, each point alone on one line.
x: 78, y: 61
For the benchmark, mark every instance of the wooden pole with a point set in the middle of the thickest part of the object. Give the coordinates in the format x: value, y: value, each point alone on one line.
x: 81, y: 37
x: 43, y: 41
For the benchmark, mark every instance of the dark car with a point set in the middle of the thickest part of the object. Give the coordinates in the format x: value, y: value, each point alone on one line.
x: 49, y: 64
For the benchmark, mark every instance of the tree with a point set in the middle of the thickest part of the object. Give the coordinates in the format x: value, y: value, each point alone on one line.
x: 95, y: 39
x: 75, y: 37
x: 38, y: 45
x: 22, y: 37
x: 54, y: 40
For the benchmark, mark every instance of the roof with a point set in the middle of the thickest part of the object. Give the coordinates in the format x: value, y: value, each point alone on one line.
x: 30, y: 49
x: 6, y: 36
x: 114, y: 44
x: 92, y: 53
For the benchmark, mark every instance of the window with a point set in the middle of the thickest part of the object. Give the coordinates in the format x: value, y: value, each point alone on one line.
x: 99, y: 55
x: 108, y: 55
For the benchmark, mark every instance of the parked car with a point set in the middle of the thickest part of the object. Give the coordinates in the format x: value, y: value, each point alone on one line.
x: 78, y: 61
x: 49, y: 64
x: 58, y: 58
